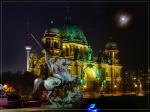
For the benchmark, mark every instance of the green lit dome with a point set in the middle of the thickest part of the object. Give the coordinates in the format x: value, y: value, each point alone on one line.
x: 70, y: 33
x: 73, y: 33
x: 54, y: 30
x: 111, y: 45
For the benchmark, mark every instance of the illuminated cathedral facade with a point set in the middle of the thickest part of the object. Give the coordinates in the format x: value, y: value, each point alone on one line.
x: 100, y: 73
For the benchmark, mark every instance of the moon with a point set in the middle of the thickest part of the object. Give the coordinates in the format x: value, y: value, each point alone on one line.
x: 123, y: 19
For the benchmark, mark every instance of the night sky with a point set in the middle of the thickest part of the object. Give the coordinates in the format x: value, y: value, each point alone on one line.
x: 95, y: 19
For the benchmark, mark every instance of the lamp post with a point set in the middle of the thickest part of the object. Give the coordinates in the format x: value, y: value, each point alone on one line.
x: 28, y: 49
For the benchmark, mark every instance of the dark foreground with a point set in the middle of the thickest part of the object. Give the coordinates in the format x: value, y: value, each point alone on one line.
x: 118, y: 102
x: 105, y: 104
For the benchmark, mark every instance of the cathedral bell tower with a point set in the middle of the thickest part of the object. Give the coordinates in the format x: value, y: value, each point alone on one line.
x: 52, y: 42
x: 111, y: 67
x: 111, y: 51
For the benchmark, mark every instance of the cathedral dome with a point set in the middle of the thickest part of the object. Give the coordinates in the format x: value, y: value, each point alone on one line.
x: 73, y: 33
x: 54, y: 30
x: 111, y: 45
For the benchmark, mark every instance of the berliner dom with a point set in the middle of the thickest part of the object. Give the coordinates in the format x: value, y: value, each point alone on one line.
x: 101, y: 73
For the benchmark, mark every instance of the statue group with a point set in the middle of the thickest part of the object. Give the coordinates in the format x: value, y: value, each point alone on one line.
x: 61, y: 89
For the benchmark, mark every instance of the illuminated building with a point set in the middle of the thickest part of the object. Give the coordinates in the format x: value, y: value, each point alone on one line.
x: 69, y: 42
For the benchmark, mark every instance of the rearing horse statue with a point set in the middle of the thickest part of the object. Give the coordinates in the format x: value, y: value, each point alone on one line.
x: 59, y: 76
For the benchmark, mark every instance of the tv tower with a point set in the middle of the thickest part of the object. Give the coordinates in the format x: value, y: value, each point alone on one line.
x: 28, y: 49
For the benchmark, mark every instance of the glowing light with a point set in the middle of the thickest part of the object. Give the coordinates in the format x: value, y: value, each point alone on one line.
x: 115, y: 86
x: 52, y: 21
x: 134, y: 78
x: 28, y: 48
x: 81, y: 81
x: 104, y: 81
x: 123, y: 19
x: 140, y: 94
x: 84, y: 86
x: 92, y: 108
x: 135, y: 85
x: 5, y: 86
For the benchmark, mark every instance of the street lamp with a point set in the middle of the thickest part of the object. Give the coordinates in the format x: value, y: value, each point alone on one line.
x: 134, y: 78
x: 115, y: 86
x: 84, y: 86
x: 135, y: 85
x: 28, y: 49
x: 5, y: 86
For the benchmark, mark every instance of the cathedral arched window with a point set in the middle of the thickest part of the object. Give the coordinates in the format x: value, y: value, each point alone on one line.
x: 56, y: 45
x: 67, y: 51
x: 47, y: 43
